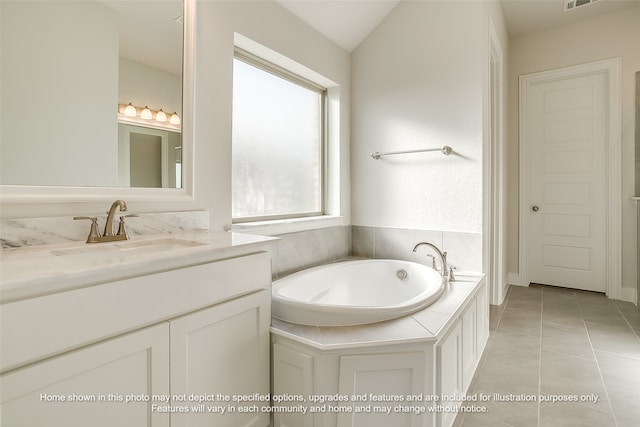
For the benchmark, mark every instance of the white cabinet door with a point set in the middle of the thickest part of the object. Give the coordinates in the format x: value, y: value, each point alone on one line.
x: 449, y: 371
x: 292, y: 374
x: 482, y: 308
x: 391, y: 374
x: 223, y: 350
x: 469, y: 344
x: 91, y: 386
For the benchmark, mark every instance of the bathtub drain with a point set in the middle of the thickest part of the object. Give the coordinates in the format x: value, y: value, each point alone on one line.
x: 402, y: 274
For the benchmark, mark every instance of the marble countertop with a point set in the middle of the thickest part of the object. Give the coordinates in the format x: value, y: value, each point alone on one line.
x: 33, y: 271
x: 426, y: 325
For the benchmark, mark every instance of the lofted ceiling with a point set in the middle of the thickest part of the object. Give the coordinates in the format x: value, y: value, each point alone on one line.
x: 155, y: 38
x: 348, y: 22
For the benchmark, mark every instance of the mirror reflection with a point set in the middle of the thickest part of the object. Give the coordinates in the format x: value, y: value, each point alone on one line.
x: 69, y: 71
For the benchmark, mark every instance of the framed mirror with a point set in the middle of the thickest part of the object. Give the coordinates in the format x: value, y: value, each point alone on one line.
x: 95, y: 98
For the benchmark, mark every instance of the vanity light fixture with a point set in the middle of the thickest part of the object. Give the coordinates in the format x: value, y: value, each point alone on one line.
x: 146, y: 113
x: 161, y: 116
x: 130, y: 111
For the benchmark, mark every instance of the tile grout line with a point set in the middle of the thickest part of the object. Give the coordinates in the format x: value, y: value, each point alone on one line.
x: 595, y: 357
x: 627, y: 322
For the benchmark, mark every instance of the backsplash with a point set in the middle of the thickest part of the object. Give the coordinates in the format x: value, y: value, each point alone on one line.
x: 41, y: 231
x: 464, y: 250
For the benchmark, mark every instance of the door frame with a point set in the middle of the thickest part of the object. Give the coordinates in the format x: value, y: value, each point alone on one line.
x: 611, y: 68
x: 494, y: 202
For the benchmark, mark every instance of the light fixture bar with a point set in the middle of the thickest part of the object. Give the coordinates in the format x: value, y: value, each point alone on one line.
x: 129, y: 113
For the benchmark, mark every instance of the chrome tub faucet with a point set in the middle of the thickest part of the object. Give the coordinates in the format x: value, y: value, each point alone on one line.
x: 442, y: 255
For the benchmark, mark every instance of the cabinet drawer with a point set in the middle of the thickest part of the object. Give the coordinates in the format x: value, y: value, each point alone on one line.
x: 45, y: 326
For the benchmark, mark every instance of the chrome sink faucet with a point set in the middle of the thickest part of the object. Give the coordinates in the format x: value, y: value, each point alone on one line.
x: 442, y: 255
x: 108, y: 235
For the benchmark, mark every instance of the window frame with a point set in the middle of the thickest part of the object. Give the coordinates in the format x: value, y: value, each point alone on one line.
x: 283, y: 73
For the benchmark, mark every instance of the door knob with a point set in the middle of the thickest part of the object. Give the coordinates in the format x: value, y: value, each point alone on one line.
x: 535, y: 208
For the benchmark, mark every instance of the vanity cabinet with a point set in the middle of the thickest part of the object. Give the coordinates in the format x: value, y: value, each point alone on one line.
x: 224, y: 349
x: 123, y: 347
x: 87, y: 387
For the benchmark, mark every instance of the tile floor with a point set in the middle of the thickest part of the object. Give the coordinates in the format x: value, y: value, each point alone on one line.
x: 553, y: 341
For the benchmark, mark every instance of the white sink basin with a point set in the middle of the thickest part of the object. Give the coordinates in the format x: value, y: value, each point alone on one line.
x: 108, y: 252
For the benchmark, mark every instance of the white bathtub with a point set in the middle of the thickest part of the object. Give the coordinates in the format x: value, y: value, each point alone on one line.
x: 355, y: 292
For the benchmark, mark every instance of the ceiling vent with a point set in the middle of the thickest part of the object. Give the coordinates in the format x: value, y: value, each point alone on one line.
x: 574, y: 4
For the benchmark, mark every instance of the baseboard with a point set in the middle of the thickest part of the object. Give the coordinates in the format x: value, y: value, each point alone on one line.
x: 514, y: 279
x: 629, y: 294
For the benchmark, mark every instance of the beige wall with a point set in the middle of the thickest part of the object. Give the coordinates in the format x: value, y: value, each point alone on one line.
x: 608, y: 36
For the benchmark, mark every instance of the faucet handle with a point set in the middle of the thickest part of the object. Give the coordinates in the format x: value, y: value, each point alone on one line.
x: 122, y: 231
x: 433, y: 262
x: 94, y: 234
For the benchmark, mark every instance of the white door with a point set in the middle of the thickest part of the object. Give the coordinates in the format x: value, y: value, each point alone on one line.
x: 565, y: 155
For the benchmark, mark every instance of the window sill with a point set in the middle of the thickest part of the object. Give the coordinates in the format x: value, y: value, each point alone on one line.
x: 284, y: 226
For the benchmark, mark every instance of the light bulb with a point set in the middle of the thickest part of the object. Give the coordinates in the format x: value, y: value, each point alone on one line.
x: 175, y: 119
x: 130, y: 111
x: 146, y: 113
x: 161, y: 116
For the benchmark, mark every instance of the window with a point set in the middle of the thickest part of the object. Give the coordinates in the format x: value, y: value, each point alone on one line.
x: 278, y: 141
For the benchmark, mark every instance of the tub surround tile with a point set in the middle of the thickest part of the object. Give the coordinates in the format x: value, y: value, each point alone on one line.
x: 43, y: 231
x: 395, y: 331
x: 300, y: 250
x: 453, y: 296
x: 432, y: 320
x: 397, y: 243
x: 362, y: 241
x: 310, y: 335
x: 464, y: 250
x: 390, y: 332
x: 305, y: 249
